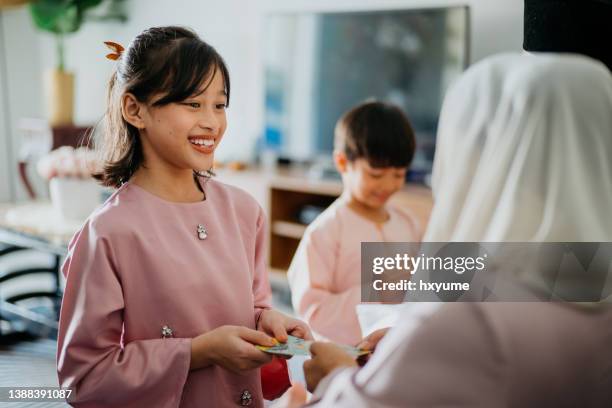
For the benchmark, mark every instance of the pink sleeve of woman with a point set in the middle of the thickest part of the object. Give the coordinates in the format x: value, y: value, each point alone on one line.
x: 92, y: 359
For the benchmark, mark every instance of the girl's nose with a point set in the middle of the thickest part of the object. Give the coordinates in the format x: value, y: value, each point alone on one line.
x: 209, y: 122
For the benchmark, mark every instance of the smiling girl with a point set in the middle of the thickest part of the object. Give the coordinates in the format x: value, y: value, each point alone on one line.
x: 167, y: 293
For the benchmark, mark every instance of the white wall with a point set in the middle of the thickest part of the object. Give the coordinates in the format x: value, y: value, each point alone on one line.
x: 24, y: 87
x: 232, y: 26
x: 6, y: 181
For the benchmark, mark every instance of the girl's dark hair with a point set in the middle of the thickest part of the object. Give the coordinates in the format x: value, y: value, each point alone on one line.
x: 378, y: 132
x: 171, y: 61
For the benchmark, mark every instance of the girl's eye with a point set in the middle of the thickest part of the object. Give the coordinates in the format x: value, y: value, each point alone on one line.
x: 375, y: 175
x: 194, y: 105
x: 221, y: 106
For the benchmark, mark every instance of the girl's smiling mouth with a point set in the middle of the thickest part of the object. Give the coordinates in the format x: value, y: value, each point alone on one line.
x: 203, y: 144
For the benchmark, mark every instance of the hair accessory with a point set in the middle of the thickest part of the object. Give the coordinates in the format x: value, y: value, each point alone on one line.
x: 116, y: 48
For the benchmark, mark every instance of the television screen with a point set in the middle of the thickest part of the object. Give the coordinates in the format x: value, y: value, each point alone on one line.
x: 319, y: 65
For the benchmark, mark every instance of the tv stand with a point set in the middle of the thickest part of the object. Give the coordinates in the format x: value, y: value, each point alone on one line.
x: 283, y: 192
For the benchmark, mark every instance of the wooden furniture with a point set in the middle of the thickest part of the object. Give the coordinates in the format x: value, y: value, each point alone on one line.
x: 283, y: 192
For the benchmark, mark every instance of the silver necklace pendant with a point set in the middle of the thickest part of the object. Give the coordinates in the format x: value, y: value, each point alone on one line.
x: 202, y: 233
x: 166, y: 332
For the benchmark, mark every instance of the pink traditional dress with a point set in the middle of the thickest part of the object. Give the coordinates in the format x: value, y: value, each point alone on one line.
x: 144, y: 277
x: 325, y: 273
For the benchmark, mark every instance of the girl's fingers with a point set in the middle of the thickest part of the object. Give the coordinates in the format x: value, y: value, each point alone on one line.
x: 301, y: 332
x: 279, y: 331
x: 254, y: 355
x: 256, y: 337
x: 260, y: 357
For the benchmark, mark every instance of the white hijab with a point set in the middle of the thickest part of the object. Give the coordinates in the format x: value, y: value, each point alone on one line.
x: 524, y: 152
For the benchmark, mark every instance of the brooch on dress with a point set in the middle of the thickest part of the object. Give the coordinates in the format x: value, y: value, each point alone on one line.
x: 166, y: 332
x: 245, y: 398
x: 202, y: 233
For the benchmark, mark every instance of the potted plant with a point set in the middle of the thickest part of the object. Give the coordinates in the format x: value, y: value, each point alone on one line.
x: 62, y: 17
x: 11, y: 3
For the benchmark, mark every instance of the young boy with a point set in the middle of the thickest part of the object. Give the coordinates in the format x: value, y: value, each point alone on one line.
x: 374, y: 145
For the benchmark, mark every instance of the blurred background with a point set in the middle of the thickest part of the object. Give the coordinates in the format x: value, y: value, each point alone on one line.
x: 260, y: 40
x: 295, y: 67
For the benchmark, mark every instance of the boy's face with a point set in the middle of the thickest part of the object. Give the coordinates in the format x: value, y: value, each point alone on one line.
x: 370, y: 186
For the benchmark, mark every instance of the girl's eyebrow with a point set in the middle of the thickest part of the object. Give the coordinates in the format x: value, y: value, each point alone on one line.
x: 222, y: 93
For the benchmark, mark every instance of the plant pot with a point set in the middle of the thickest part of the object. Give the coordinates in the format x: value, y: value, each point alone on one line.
x: 59, y: 89
x: 12, y: 3
x: 74, y: 198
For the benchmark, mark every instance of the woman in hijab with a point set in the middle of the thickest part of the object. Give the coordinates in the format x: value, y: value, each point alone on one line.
x: 524, y: 153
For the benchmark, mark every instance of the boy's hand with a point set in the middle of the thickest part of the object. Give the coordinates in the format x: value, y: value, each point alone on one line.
x: 325, y: 358
x: 231, y: 347
x: 278, y: 325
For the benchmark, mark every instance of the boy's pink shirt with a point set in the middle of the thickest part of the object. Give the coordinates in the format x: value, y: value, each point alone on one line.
x: 137, y: 265
x: 325, y: 273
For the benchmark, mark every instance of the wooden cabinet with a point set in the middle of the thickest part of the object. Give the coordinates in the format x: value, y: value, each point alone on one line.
x: 284, y: 192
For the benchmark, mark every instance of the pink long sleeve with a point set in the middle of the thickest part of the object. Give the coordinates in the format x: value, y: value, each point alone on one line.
x: 317, y: 297
x: 325, y: 274
x: 139, y: 269
x: 262, y: 292
x: 92, y: 359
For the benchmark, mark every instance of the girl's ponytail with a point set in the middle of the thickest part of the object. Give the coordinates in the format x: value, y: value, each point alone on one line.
x: 119, y: 143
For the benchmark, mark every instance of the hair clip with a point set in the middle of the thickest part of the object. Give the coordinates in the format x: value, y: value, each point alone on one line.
x: 116, y: 48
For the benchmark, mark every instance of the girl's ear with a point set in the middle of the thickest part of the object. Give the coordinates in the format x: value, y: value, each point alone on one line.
x: 132, y: 110
x: 340, y: 161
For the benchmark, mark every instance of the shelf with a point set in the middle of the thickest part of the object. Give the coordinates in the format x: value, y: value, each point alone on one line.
x: 288, y: 229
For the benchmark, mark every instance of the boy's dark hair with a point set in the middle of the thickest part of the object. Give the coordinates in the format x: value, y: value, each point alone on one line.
x: 169, y: 61
x: 378, y: 132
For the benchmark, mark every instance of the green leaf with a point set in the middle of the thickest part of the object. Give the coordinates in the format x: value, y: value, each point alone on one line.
x: 56, y: 16
x: 61, y: 16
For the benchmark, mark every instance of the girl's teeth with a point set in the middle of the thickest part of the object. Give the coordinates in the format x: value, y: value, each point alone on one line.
x: 203, y: 142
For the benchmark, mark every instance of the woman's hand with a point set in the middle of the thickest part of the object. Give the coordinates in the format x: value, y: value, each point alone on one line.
x: 371, y: 341
x: 326, y: 357
x: 278, y: 325
x: 231, y: 347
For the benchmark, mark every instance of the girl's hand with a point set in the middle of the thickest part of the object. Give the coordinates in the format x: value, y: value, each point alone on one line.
x: 231, y: 347
x: 278, y: 325
x: 326, y: 357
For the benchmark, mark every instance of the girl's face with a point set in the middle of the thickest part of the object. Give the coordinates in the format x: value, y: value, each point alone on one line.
x: 185, y: 135
x: 372, y: 186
